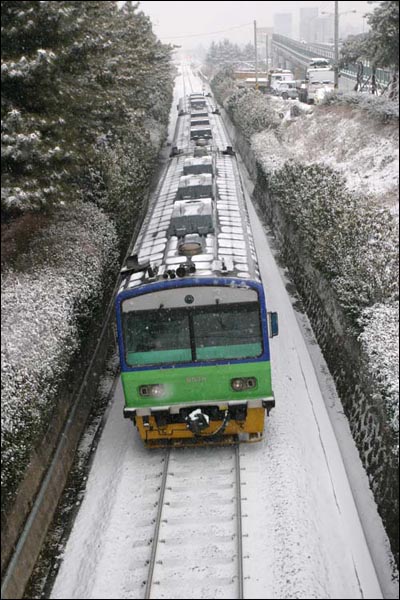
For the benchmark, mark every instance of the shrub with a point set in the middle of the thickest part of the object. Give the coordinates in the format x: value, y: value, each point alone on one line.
x: 380, y: 107
x: 353, y: 244
x: 47, y: 308
x: 380, y: 340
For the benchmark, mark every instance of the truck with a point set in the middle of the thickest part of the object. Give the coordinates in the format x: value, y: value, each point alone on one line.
x: 275, y: 76
x: 320, y: 79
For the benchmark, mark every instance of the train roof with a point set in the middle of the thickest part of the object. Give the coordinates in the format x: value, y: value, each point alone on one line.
x: 198, y: 219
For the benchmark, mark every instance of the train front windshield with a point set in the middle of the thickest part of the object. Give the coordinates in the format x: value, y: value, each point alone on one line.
x: 169, y: 335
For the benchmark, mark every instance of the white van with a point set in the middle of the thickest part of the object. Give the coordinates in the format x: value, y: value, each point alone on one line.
x: 275, y: 77
x: 286, y: 89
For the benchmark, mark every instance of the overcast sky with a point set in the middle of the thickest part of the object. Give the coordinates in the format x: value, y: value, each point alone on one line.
x: 192, y: 23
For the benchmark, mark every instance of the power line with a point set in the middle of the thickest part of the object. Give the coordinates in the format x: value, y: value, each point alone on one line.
x: 189, y: 35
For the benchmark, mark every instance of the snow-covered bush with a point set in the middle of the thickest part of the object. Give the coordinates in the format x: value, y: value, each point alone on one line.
x: 254, y: 113
x: 354, y: 245
x: 251, y: 110
x: 223, y: 85
x: 270, y: 152
x: 47, y: 307
x: 380, y: 340
x: 380, y: 107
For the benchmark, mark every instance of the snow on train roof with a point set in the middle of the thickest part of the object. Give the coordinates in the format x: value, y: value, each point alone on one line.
x: 186, y: 204
x: 199, y: 161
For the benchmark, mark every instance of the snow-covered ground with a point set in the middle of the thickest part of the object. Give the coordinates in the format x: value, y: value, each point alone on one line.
x: 303, y: 537
x: 365, y: 152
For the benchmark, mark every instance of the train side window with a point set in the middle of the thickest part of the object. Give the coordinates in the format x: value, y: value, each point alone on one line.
x: 273, y: 326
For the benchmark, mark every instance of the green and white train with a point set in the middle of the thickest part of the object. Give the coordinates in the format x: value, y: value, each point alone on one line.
x: 192, y: 319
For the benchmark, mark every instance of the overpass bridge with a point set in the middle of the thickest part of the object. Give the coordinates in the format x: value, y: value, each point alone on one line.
x: 291, y: 54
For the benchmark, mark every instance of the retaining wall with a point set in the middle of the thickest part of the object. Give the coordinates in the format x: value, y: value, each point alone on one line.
x: 362, y: 401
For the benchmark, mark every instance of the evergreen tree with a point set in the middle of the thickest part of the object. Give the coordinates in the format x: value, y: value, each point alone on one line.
x: 248, y: 53
x: 223, y: 54
x: 380, y: 46
x: 384, y: 34
x: 74, y: 73
x: 39, y: 42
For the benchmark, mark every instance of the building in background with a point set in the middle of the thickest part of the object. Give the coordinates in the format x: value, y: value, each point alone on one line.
x: 264, y: 37
x: 308, y: 16
x: 283, y: 23
x: 323, y: 29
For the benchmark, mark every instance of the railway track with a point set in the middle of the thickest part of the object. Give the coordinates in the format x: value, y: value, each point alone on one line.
x: 188, y: 87
x: 174, y: 529
x: 197, y: 543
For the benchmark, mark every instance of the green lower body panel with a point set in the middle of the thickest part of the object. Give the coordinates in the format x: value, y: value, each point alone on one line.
x: 231, y: 416
x: 196, y: 385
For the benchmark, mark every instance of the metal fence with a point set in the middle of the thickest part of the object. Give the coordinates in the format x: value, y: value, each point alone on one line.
x: 304, y: 52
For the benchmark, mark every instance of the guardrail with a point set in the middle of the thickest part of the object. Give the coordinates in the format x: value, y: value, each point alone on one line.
x: 303, y: 52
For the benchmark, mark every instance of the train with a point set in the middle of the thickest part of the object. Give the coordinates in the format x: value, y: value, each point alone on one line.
x: 193, y: 327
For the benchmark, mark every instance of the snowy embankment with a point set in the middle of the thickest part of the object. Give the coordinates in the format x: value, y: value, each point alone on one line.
x: 364, y: 150
x: 352, y: 238
x: 339, y: 238
x: 46, y: 312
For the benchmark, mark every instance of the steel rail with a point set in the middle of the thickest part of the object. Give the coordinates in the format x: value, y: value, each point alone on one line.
x: 152, y: 561
x: 239, y: 523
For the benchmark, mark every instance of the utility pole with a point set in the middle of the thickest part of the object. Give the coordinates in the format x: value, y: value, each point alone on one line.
x: 255, y: 52
x: 336, y: 45
x: 266, y: 54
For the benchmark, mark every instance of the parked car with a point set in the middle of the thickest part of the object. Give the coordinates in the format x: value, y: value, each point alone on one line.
x: 277, y: 76
x: 287, y: 89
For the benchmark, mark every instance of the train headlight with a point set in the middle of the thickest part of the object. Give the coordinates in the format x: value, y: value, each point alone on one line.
x: 239, y: 384
x: 152, y: 391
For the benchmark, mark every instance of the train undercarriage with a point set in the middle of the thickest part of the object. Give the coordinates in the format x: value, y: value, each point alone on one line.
x: 208, y: 425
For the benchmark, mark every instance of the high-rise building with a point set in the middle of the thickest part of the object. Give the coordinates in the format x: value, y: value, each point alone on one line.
x: 323, y: 29
x: 308, y: 16
x: 283, y: 23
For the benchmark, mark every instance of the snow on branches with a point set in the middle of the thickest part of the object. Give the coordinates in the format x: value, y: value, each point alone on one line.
x: 348, y: 235
x: 380, y: 340
x: 45, y: 307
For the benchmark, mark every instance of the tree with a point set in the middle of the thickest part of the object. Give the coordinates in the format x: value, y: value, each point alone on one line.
x: 380, y: 46
x: 223, y: 54
x: 35, y: 155
x: 73, y: 73
x: 384, y: 22
x: 248, y: 52
x: 355, y: 50
x: 384, y: 34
